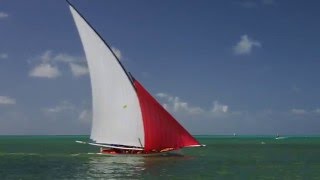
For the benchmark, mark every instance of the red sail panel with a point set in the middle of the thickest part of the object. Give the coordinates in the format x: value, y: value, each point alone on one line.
x: 161, y: 129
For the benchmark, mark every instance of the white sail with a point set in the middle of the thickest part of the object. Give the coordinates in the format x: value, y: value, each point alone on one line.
x: 117, y: 116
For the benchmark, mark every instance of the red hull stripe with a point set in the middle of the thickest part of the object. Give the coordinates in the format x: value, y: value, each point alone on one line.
x: 161, y: 129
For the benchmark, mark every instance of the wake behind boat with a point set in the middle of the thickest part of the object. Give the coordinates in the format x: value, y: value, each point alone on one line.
x: 127, y: 119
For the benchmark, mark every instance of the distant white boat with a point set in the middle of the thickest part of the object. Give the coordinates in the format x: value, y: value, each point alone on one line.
x: 126, y: 118
x: 280, y: 137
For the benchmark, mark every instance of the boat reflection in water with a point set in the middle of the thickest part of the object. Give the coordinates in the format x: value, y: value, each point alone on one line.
x: 115, y: 167
x: 127, y: 167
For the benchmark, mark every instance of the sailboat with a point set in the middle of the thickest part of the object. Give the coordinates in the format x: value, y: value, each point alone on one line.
x: 127, y: 119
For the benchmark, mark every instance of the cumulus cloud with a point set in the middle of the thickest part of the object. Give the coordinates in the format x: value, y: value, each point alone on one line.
x: 78, y: 70
x: 299, y: 111
x: 77, y: 65
x: 162, y: 95
x: 179, y: 105
x: 5, y: 100
x: 117, y: 52
x: 66, y: 108
x: 85, y: 116
x: 176, y: 105
x: 245, y: 45
x: 49, y: 64
x: 219, y: 108
x: 3, y: 15
x: 4, y: 55
x: 46, y: 57
x: 45, y: 70
x: 66, y: 58
x: 62, y: 106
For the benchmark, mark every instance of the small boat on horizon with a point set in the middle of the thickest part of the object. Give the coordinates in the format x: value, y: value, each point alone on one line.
x: 280, y: 137
x: 127, y: 119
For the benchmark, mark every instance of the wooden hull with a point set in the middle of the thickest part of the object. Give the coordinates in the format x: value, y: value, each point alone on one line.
x: 167, y: 153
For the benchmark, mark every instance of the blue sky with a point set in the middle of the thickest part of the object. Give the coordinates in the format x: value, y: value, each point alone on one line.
x: 220, y: 67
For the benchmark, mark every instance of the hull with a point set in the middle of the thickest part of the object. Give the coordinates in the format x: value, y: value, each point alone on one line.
x: 110, y: 152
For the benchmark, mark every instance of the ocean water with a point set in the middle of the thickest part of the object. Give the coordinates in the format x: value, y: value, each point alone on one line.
x: 224, y: 157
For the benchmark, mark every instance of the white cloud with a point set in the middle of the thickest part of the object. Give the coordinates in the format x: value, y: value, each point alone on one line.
x: 66, y: 58
x: 219, y: 108
x: 46, y: 57
x: 117, y: 52
x: 3, y: 15
x: 45, y: 70
x: 49, y: 64
x: 85, y: 116
x: 179, y: 105
x: 175, y: 104
x: 245, y: 45
x: 65, y: 108
x: 299, y: 111
x: 77, y: 65
x: 3, y: 56
x: 162, y: 95
x: 5, y: 100
x: 61, y: 107
x: 78, y: 70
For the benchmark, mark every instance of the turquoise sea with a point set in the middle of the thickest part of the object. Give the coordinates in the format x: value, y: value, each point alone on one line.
x: 225, y: 157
